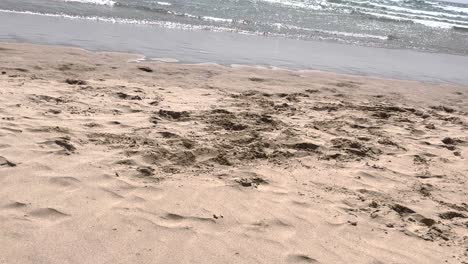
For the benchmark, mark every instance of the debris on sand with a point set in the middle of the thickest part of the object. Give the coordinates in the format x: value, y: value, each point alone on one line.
x: 402, y: 210
x: 251, y: 182
x: 128, y: 97
x: 451, y: 141
x: 145, y: 69
x: 353, y: 149
x: 75, y: 82
x: 65, y: 143
x: 452, y: 214
x: 146, y: 171
x: 173, y: 114
x: 306, y: 146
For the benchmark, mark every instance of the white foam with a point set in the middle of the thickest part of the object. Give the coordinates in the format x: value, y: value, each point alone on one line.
x: 434, y: 24
x: 455, y: 9
x: 406, y: 16
x: 332, y: 32
x: 164, y: 24
x: 166, y: 60
x: 295, y: 4
x: 408, y: 10
x: 247, y: 66
x: 164, y: 3
x: 217, y: 19
x: 95, y: 2
x: 428, y: 23
x: 355, y: 35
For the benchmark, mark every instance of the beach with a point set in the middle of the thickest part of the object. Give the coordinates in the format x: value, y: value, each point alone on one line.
x: 109, y: 158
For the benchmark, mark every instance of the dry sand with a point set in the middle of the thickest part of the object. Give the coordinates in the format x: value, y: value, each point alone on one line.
x: 107, y: 160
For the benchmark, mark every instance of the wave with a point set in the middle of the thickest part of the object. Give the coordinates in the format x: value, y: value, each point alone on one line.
x: 332, y: 35
x: 462, y: 29
x: 95, y: 2
x: 159, y: 10
x: 332, y: 32
x: 428, y: 23
x: 455, y: 9
x: 294, y: 4
x: 405, y: 16
x: 164, y: 24
x: 217, y: 19
x: 354, y: 35
x: 209, y: 18
x: 164, y: 3
x: 379, y: 6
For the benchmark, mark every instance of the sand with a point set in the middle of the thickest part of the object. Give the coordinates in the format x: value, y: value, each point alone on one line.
x: 107, y: 159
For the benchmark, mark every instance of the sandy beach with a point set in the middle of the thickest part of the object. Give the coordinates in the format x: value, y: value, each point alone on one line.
x: 105, y: 158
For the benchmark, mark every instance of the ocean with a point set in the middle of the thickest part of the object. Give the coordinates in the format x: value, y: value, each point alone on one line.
x: 351, y: 36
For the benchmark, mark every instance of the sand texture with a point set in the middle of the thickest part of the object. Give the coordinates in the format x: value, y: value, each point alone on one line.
x: 104, y: 159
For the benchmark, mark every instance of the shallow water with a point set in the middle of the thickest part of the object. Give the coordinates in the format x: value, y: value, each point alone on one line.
x: 194, y: 46
x: 426, y: 25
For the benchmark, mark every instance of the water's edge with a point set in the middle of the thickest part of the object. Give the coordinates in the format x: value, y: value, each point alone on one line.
x: 229, y: 48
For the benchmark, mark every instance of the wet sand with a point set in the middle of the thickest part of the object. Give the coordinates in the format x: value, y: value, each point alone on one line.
x: 107, y: 160
x: 232, y: 48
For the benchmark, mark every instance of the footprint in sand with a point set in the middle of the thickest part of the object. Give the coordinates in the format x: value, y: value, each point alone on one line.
x: 6, y: 163
x: 179, y: 218
x: 15, y: 205
x: 64, y: 143
x: 112, y: 193
x: 69, y: 183
x: 300, y: 258
x: 3, y: 146
x: 50, y: 214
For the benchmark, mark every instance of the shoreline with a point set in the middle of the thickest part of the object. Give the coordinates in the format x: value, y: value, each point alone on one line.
x: 103, y: 160
x: 231, y: 48
x: 143, y: 59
